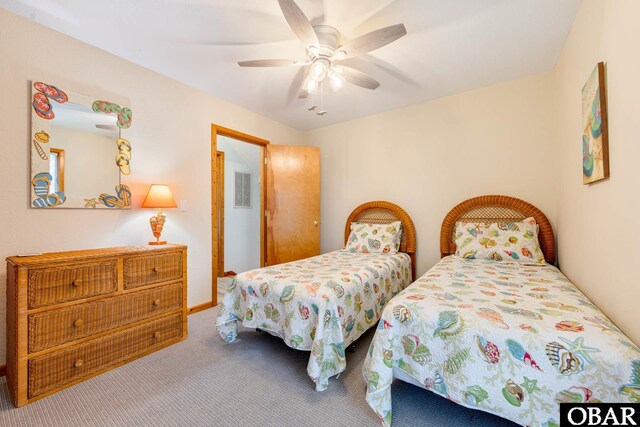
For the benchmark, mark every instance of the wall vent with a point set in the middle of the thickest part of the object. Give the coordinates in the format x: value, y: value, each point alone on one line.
x: 242, y: 190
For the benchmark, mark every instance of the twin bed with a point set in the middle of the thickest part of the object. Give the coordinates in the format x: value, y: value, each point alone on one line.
x: 324, y: 303
x: 505, y: 333
x: 508, y: 337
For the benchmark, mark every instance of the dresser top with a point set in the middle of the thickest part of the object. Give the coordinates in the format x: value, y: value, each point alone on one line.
x: 82, y: 255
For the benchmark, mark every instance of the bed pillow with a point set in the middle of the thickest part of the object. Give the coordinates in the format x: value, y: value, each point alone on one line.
x: 375, y: 238
x: 516, y: 241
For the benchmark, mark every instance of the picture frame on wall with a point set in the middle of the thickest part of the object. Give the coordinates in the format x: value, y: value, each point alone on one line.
x: 595, y: 130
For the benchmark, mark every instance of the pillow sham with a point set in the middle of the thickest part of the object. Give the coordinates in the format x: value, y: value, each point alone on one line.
x: 516, y: 241
x: 375, y: 238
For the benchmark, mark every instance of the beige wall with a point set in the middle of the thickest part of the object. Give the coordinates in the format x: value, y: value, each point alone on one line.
x: 597, y: 235
x: 170, y: 140
x: 431, y: 156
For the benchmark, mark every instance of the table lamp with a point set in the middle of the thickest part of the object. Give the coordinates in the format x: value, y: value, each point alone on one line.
x: 160, y: 197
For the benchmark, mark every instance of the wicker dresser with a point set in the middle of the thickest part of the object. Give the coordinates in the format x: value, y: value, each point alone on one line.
x: 74, y: 315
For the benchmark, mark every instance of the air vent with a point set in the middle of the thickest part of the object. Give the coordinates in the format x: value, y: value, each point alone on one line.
x: 242, y: 190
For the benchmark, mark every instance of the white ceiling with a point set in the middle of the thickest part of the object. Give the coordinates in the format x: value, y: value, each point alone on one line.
x: 452, y: 46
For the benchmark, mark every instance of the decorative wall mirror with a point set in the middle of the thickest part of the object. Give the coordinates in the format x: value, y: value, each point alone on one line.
x: 79, y: 150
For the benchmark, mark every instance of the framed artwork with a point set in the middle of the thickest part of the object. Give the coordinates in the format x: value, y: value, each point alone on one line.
x: 595, y: 132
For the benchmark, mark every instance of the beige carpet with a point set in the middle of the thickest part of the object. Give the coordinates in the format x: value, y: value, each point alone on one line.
x: 256, y: 381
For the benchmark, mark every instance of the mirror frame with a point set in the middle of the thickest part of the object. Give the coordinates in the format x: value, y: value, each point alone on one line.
x: 44, y: 98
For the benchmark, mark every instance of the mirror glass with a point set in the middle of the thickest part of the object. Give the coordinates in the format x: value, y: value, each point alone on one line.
x: 82, y: 151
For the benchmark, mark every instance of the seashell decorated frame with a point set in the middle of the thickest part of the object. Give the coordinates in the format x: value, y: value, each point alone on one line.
x: 80, y: 150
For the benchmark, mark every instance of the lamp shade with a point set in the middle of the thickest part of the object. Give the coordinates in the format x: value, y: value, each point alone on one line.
x: 159, y: 196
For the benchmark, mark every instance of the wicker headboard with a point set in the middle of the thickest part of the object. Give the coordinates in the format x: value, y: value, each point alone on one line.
x: 383, y: 213
x: 486, y: 209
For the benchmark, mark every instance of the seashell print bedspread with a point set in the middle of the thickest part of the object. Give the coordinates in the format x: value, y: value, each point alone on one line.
x: 502, y: 337
x: 320, y: 304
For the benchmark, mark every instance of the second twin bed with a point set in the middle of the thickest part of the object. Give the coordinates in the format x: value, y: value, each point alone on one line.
x: 493, y: 326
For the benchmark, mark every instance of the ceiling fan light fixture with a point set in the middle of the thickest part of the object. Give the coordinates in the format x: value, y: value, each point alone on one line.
x: 311, y: 86
x: 319, y: 69
x: 336, y: 78
x: 336, y: 83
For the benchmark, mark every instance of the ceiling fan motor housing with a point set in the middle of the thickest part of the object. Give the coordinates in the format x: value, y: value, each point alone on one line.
x: 329, y: 39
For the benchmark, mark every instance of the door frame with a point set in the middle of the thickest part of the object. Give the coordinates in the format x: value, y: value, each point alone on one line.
x: 220, y: 209
x: 262, y: 143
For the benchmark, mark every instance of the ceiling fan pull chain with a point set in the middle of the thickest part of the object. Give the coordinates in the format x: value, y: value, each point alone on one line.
x: 314, y: 104
x: 322, y: 111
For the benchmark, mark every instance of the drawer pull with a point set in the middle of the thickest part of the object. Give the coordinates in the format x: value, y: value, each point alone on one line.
x: 78, y: 363
x: 156, y: 334
x: 157, y: 270
x: 78, y: 322
x: 77, y: 282
x: 156, y: 302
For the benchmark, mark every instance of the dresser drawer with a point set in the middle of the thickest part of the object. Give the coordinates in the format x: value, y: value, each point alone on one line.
x: 74, y: 363
x: 55, y: 327
x: 145, y: 270
x: 55, y: 285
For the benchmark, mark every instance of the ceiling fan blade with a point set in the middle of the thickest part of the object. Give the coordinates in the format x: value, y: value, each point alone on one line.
x: 270, y: 63
x: 297, y: 84
x: 299, y: 23
x: 372, y: 41
x: 359, y: 78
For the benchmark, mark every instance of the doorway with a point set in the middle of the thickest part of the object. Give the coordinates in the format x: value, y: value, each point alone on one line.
x: 238, y: 198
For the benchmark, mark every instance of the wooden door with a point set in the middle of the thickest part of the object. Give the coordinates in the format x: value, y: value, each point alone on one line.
x: 220, y: 207
x: 293, y: 203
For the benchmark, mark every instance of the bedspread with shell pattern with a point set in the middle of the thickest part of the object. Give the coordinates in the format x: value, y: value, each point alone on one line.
x: 320, y: 304
x: 502, y: 337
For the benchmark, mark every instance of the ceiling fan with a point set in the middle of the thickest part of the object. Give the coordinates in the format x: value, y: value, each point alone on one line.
x: 325, y: 50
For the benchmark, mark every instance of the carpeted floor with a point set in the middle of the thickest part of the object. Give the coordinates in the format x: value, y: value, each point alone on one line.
x: 257, y: 380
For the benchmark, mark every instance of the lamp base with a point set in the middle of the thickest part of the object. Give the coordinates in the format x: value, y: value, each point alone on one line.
x: 164, y: 242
